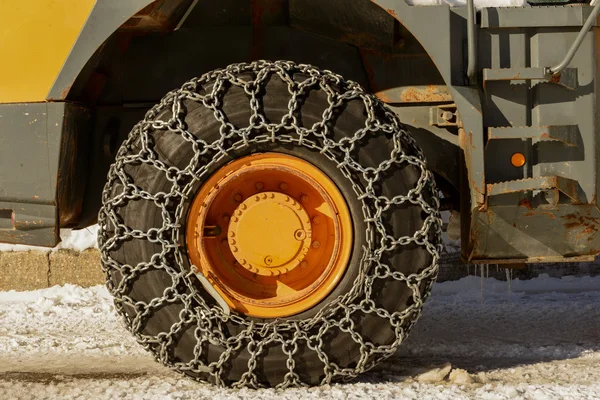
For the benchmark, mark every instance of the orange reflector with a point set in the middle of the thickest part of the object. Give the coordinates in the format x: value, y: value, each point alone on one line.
x: 518, y: 159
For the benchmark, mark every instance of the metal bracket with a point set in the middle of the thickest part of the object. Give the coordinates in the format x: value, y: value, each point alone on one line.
x: 567, y: 134
x: 213, y: 292
x: 444, y: 115
x: 567, y: 186
x: 567, y: 78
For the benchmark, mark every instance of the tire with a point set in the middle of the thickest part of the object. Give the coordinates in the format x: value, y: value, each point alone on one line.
x: 232, y: 113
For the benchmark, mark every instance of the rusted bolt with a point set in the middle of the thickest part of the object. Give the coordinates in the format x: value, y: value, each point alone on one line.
x: 283, y: 186
x: 259, y: 186
x: 304, y: 198
x: 447, y: 116
x: 303, y: 264
x: 268, y: 260
x: 226, y: 217
x: 238, y: 198
x: 316, y: 244
x: 300, y: 234
x: 224, y: 242
x: 316, y: 220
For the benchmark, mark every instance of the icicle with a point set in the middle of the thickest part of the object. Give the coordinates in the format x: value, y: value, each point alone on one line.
x: 481, y: 273
x: 508, y: 280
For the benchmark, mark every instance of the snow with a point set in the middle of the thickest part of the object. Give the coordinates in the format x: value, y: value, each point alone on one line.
x: 72, y: 239
x: 540, y: 342
x: 461, y: 3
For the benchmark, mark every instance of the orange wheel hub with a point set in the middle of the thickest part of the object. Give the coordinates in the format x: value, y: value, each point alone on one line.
x: 271, y: 233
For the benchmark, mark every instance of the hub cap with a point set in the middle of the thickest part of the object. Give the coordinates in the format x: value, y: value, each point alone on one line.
x: 272, y: 234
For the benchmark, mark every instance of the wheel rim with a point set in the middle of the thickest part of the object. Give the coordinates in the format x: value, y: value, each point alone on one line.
x: 272, y: 233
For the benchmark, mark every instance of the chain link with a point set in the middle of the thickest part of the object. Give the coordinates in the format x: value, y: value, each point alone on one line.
x: 212, y: 324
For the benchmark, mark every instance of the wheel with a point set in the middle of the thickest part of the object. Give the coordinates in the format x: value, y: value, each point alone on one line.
x: 269, y: 224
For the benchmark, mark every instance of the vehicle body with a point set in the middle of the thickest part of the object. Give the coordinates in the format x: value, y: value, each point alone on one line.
x: 81, y: 73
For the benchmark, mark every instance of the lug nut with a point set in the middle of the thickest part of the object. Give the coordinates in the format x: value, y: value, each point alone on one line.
x: 316, y: 244
x: 304, y: 198
x: 259, y: 186
x: 303, y: 264
x: 300, y: 234
x: 238, y: 198
x: 316, y: 220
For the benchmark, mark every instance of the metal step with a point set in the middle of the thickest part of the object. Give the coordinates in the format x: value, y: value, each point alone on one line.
x: 567, y: 78
x: 567, y: 134
x: 564, y: 185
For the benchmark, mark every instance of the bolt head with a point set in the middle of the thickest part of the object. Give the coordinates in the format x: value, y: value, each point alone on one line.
x: 300, y: 234
x: 238, y: 198
x: 447, y: 115
x: 226, y: 217
x: 303, y: 264
x: 316, y: 244
x: 316, y: 220
x: 259, y: 186
x: 304, y: 198
x: 283, y: 186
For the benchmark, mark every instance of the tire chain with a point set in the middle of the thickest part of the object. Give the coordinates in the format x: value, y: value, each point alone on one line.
x: 209, y: 318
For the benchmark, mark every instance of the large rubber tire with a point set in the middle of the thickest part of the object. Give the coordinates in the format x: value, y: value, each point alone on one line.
x: 164, y: 305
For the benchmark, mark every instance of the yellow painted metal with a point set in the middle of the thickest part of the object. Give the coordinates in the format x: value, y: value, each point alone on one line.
x: 284, y: 235
x: 35, y: 39
x: 270, y: 233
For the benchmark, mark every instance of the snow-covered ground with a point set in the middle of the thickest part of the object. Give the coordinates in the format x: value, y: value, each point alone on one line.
x: 540, y: 341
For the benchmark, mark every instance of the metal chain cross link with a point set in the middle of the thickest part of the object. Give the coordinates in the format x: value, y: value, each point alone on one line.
x: 209, y: 319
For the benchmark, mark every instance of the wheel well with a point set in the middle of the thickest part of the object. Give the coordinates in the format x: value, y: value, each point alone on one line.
x: 141, y: 61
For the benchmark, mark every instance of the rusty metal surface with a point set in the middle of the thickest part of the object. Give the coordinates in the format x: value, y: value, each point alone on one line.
x: 407, y: 77
x: 32, y: 224
x: 567, y: 134
x: 567, y: 78
x: 544, y: 233
x: 567, y: 186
